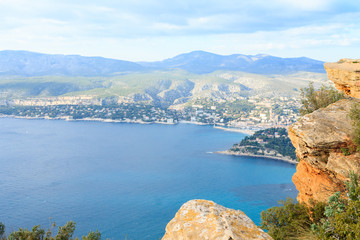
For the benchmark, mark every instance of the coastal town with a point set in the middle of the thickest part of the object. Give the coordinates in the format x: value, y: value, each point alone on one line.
x: 248, y: 114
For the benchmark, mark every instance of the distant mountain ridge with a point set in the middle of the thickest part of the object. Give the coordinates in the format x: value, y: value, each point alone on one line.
x: 25, y: 63
x: 204, y: 62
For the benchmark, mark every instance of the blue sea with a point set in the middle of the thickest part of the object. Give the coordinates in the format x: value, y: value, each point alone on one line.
x: 126, y: 180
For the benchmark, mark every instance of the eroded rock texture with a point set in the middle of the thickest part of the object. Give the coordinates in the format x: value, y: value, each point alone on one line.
x: 346, y: 76
x: 323, y: 138
x: 201, y: 219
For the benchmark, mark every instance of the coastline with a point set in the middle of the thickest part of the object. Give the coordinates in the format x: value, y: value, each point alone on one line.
x: 284, y: 159
x: 68, y: 118
x: 192, y: 122
x: 238, y: 130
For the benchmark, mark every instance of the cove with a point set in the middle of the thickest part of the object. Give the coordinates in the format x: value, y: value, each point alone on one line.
x: 126, y: 179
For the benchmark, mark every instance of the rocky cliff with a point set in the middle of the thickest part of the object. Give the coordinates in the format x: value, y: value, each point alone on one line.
x: 322, y: 139
x: 346, y: 76
x: 201, y: 219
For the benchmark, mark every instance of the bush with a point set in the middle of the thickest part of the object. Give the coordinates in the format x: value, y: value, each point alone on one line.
x: 286, y: 222
x: 342, y: 216
x: 313, y: 100
x: 92, y: 236
x: 64, y: 233
x: 339, y: 218
x: 2, y: 230
x: 355, y: 117
x: 23, y: 234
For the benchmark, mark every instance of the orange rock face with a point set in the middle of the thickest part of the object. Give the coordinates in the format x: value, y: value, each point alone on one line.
x: 313, y: 183
x: 323, y: 138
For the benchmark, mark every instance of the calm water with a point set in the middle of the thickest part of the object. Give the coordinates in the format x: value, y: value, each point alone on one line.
x: 126, y: 179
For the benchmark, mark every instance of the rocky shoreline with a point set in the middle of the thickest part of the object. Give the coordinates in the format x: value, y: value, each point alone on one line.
x: 284, y: 159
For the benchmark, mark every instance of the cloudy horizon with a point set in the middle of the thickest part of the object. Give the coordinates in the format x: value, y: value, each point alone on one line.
x: 152, y: 30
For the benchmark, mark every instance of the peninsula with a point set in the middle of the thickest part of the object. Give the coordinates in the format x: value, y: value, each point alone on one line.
x: 271, y: 143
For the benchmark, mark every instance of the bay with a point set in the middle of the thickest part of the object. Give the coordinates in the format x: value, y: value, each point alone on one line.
x: 126, y: 180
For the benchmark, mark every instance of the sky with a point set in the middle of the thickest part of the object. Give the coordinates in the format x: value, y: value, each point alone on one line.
x: 151, y: 30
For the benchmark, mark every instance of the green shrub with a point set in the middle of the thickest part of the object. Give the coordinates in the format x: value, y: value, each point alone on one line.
x: 36, y: 233
x: 342, y: 215
x: 355, y: 117
x: 286, y: 222
x: 339, y: 218
x: 317, y: 211
x: 353, y: 187
x: 345, y: 151
x: 348, y: 150
x: 92, y: 236
x: 66, y: 232
x: 313, y: 100
x: 2, y: 230
x: 24, y: 234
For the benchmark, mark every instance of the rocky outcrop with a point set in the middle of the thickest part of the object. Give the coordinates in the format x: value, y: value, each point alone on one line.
x: 201, y: 219
x: 346, y: 75
x: 323, y: 139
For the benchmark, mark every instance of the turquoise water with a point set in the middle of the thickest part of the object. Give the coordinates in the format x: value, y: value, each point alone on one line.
x: 126, y: 179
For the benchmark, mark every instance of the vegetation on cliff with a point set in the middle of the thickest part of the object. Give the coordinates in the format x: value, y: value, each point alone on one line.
x: 37, y: 233
x: 339, y: 218
x: 355, y: 117
x: 269, y: 142
x: 290, y: 221
x: 312, y: 99
x: 354, y: 145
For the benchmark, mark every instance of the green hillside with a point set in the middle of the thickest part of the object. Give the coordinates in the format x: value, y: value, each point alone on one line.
x: 167, y: 88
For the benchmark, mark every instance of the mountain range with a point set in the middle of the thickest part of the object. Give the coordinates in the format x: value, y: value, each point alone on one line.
x: 201, y: 62
x: 183, y: 79
x: 24, y: 63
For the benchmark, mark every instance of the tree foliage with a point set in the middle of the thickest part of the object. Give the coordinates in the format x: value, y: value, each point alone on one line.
x: 287, y: 221
x: 2, y: 230
x: 339, y: 218
x: 342, y: 215
x: 92, y: 236
x: 37, y: 233
x: 355, y: 117
x: 281, y: 144
x: 313, y: 100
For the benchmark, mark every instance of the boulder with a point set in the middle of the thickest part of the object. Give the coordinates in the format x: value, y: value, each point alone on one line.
x: 202, y: 219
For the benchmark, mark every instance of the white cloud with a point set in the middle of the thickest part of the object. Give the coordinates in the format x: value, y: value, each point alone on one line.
x: 156, y: 29
x: 306, y: 5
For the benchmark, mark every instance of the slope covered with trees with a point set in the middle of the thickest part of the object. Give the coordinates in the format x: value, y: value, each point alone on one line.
x: 269, y: 142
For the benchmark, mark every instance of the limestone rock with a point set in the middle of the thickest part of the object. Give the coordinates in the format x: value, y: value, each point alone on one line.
x: 202, y: 219
x: 346, y: 75
x: 319, y: 138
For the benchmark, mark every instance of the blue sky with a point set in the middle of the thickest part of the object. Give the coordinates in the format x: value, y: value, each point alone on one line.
x: 147, y: 30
